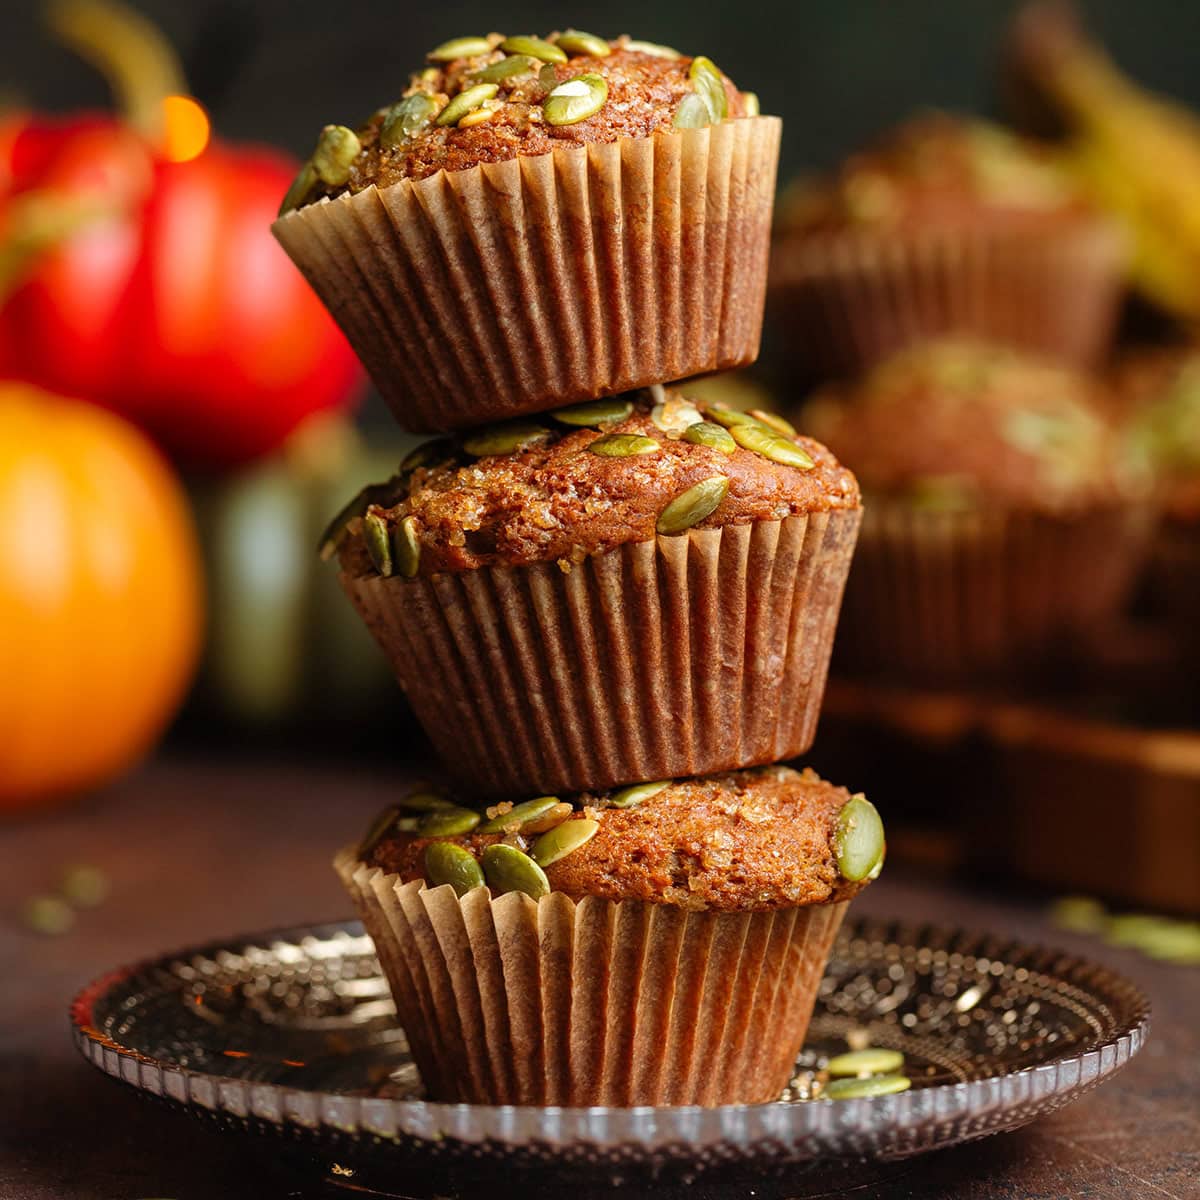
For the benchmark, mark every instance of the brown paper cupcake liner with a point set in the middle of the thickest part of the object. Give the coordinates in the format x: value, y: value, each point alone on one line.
x: 846, y: 301
x: 563, y: 1002
x: 1173, y: 584
x: 672, y: 657
x: 512, y: 287
x: 943, y: 596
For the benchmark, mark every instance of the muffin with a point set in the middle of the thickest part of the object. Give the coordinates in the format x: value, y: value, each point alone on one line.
x: 945, y: 227
x: 667, y: 949
x: 1003, y: 512
x: 541, y: 221
x: 633, y: 588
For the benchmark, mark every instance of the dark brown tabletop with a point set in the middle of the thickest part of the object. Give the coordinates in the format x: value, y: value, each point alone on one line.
x: 196, y: 851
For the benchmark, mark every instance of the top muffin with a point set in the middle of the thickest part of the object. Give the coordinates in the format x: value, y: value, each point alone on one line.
x: 494, y: 98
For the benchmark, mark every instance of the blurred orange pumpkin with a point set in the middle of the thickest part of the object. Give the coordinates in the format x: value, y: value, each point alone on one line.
x: 100, y: 595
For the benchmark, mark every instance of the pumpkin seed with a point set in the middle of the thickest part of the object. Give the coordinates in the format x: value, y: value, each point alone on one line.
x: 425, y: 801
x: 302, y: 188
x: 407, y: 548
x: 48, y: 915
x: 707, y: 433
x: 710, y: 87
x: 858, y: 840
x: 462, y: 47
x: 770, y: 445
x: 623, y: 445
x: 692, y: 113
x: 628, y: 797
x: 505, y: 439
x: 535, y: 47
x: 595, y: 412
x: 379, y: 543
x: 575, y: 100
x: 653, y: 49
x: 729, y: 417
x: 1080, y: 914
x: 551, y: 817
x: 337, y: 148
x: 507, y: 68
x: 859, y: 1089
x: 516, y: 816
x: 466, y: 101
x: 406, y: 119
x: 562, y: 840
x: 548, y: 77
x: 427, y: 454
x: 873, y: 1060
x: 378, y: 830
x: 447, y: 863
x: 407, y: 824
x: 507, y: 869
x: 691, y: 507
x: 481, y: 116
x: 85, y: 886
x: 674, y: 414
x: 774, y: 421
x: 448, y: 822
x: 750, y: 105
x: 575, y: 41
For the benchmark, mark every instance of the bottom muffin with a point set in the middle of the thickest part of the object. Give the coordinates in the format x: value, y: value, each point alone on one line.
x: 660, y: 944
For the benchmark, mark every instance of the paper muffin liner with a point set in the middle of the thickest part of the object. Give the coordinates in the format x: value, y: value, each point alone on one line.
x: 678, y: 656
x: 1173, y: 583
x: 848, y: 300
x: 563, y: 1002
x: 947, y: 596
x: 511, y: 287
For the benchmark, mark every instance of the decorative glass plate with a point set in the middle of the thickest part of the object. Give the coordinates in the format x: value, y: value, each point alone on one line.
x: 291, y: 1034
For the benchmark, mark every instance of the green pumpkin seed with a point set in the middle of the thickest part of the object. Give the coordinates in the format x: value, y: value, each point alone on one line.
x: 407, y: 549
x: 562, y: 840
x: 447, y: 863
x: 426, y: 801
x: 428, y: 454
x: 873, y: 1060
x: 710, y: 87
x: 379, y: 543
x: 1080, y: 914
x: 406, y: 118
x: 337, y: 148
x: 675, y: 414
x: 301, y: 190
x: 575, y: 100
x: 691, y: 507
x: 729, y: 417
x: 356, y: 506
x: 506, y: 869
x: 774, y: 421
x: 535, y: 47
x: 707, y: 433
x: 860, y: 1089
x: 448, y: 822
x: 771, y: 445
x: 629, y: 797
x: 653, y: 49
x: 518, y: 815
x: 465, y: 102
x: 548, y: 77
x: 507, y: 68
x: 505, y: 439
x: 624, y: 445
x: 50, y: 916
x: 595, y: 412
x: 858, y: 840
x: 692, y: 113
x: 551, y: 817
x: 575, y: 41
x: 85, y: 886
x: 750, y: 105
x: 463, y: 47
x: 378, y: 830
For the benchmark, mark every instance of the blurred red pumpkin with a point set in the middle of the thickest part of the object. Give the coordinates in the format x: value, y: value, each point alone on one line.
x: 100, y: 595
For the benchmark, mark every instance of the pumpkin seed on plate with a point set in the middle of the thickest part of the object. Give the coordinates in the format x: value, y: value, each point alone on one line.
x: 575, y: 41
x: 379, y: 828
x: 708, y: 433
x: 407, y: 549
x: 466, y: 101
x: 563, y: 840
x: 653, y: 49
x: 873, y: 1060
x: 505, y: 439
x: 624, y: 445
x: 337, y: 148
x: 595, y: 412
x: 302, y: 188
x: 750, y: 104
x: 462, y: 47
x: 575, y: 100
x: 858, y: 840
x: 774, y: 421
x: 425, y: 801
x: 691, y: 507
x: 379, y: 543
x: 859, y: 1089
x: 448, y: 822
x: 518, y: 815
x: 406, y: 118
x: 771, y: 445
x: 692, y: 113
x: 447, y: 863
x: 507, y: 68
x: 535, y: 47
x: 710, y: 87
x: 507, y: 869
x: 628, y: 797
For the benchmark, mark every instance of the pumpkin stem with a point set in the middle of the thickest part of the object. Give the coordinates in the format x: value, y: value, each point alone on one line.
x: 131, y: 52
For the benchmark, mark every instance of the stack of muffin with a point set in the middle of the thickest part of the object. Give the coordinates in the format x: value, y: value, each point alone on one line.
x: 612, y: 611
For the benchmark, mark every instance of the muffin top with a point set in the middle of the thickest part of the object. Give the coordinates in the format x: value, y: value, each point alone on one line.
x: 493, y: 98
x: 583, y: 480
x: 954, y: 424
x: 938, y: 171
x: 768, y: 837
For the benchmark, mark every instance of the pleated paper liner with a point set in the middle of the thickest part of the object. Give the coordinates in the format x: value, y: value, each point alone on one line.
x: 513, y: 287
x: 958, y: 596
x: 673, y: 657
x: 846, y: 301
x: 593, y: 1002
x: 1173, y: 584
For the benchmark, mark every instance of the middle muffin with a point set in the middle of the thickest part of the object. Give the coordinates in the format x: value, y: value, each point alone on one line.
x: 634, y: 588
